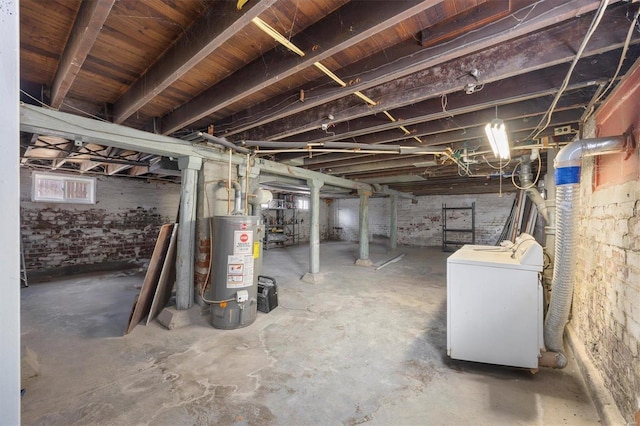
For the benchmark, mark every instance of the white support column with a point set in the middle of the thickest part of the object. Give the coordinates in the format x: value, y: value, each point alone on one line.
x: 364, y: 228
x: 393, y: 223
x: 313, y: 276
x: 185, y: 261
x: 10, y: 215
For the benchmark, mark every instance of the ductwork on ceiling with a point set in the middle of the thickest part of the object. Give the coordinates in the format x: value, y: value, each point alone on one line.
x: 567, y: 181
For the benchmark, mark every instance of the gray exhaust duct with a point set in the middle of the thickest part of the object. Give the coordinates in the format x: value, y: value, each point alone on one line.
x: 567, y: 179
x: 526, y: 180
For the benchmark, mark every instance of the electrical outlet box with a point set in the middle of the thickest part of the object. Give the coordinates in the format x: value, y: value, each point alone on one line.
x: 563, y: 130
x: 242, y: 296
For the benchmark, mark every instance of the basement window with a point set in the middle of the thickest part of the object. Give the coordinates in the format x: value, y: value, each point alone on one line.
x: 49, y: 187
x: 302, y: 203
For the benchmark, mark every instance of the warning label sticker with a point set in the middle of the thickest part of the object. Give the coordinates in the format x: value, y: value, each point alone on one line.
x: 239, y: 271
x: 242, y: 242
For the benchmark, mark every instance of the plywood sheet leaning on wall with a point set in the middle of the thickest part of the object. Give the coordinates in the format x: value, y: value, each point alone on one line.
x: 166, y: 280
x: 142, y: 302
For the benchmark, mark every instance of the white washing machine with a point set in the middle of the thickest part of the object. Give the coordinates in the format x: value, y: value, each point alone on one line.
x: 495, y: 303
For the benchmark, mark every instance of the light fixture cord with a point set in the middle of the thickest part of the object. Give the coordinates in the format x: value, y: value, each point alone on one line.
x: 500, y: 176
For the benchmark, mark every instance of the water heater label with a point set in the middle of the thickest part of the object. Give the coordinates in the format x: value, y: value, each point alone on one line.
x: 242, y: 242
x: 239, y: 271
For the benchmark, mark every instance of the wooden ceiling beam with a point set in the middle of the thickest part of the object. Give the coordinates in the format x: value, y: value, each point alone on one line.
x: 89, y: 165
x: 112, y: 169
x: 379, y: 165
x: 138, y: 170
x: 464, y: 22
x: 520, y: 110
x: 502, y: 93
x: 87, y: 26
x: 409, y: 58
x: 320, y: 41
x: 47, y: 121
x: 456, y: 186
x: 431, y: 129
x: 518, y: 130
x: 394, y: 87
x: 199, y: 41
x: 143, y: 170
x: 127, y: 160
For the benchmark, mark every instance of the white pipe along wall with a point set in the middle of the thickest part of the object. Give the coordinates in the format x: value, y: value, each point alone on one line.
x: 567, y: 180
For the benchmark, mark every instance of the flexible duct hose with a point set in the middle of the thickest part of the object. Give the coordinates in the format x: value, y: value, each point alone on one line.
x: 567, y: 178
x: 562, y: 283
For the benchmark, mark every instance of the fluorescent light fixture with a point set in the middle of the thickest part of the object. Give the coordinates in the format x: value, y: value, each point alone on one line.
x: 497, y: 135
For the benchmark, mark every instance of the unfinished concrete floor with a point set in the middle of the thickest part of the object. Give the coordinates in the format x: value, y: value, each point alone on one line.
x: 364, y: 346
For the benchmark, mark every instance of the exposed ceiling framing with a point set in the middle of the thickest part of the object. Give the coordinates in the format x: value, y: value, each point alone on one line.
x: 414, y: 73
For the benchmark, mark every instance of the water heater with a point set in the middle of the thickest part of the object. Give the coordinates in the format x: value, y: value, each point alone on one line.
x: 236, y: 264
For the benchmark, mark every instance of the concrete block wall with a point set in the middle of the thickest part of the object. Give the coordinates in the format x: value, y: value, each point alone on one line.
x: 122, y: 226
x: 606, y: 301
x: 420, y: 224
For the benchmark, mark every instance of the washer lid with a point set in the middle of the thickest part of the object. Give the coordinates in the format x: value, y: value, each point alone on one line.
x: 525, y: 256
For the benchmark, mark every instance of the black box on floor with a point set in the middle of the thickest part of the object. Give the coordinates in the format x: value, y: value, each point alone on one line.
x: 267, y: 294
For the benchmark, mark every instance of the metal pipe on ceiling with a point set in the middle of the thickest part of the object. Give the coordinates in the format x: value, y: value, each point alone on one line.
x: 224, y: 143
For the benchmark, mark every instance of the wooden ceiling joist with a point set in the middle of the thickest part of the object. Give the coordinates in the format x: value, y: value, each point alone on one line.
x: 344, y: 28
x: 400, y: 62
x: 86, y: 28
x: 554, y: 46
x: 518, y: 128
x: 199, y: 41
x: 504, y: 93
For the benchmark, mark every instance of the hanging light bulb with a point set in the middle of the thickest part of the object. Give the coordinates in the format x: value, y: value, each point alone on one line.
x: 497, y: 134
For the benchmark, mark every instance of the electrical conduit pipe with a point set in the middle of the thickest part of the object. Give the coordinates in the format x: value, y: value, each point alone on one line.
x: 567, y: 179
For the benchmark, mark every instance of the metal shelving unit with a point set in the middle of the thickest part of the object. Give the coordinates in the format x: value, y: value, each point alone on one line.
x: 449, y: 241
x: 281, y: 227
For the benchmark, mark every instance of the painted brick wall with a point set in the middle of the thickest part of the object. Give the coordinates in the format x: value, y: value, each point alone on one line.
x: 213, y: 200
x: 606, y: 302
x: 123, y: 224
x: 304, y: 221
x: 421, y: 224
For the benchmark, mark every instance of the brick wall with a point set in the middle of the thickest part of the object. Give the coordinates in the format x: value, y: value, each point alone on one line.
x: 213, y: 200
x: 420, y: 224
x: 122, y: 226
x: 304, y: 222
x: 606, y: 302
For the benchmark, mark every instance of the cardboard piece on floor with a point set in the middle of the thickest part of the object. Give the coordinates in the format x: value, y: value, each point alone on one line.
x: 166, y: 280
x: 143, y: 303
